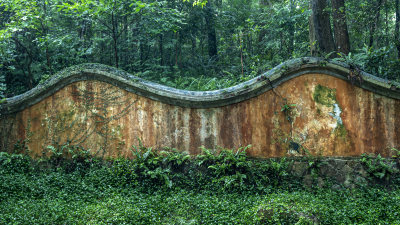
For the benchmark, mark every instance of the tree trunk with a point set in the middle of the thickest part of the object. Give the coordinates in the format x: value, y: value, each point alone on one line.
x: 322, y: 27
x: 141, y: 52
x: 265, y: 2
x: 311, y: 33
x: 29, y: 59
x: 291, y: 29
x: 115, y: 38
x: 161, y: 50
x: 263, y: 32
x: 340, y: 26
x: 387, y: 35
x: 45, y: 30
x: 396, y: 30
x: 211, y: 34
x: 178, y: 48
x: 116, y: 52
x: 374, y: 25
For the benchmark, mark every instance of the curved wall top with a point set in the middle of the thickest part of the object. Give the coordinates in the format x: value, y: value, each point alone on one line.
x: 199, y: 99
x: 302, y: 105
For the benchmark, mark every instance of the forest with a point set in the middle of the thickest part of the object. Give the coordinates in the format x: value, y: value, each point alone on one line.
x: 198, y: 45
x: 193, y: 45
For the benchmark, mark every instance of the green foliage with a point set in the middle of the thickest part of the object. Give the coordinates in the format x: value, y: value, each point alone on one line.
x: 218, y: 170
x: 374, y: 61
x: 396, y: 153
x: 197, y: 83
x: 377, y: 166
x: 15, y: 163
x: 167, y: 41
x: 282, y: 213
x: 287, y: 109
x: 31, y: 193
x: 227, y: 168
x: 314, y: 163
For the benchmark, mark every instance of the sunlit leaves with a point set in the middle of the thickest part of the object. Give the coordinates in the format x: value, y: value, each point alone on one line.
x: 200, y: 3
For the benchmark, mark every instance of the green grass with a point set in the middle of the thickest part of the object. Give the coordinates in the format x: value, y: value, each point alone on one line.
x: 44, y: 192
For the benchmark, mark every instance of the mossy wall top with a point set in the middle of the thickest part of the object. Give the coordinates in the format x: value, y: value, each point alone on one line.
x: 303, y: 105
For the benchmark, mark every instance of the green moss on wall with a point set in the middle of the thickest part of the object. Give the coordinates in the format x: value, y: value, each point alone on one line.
x: 324, y: 95
x: 319, y: 112
x: 340, y: 131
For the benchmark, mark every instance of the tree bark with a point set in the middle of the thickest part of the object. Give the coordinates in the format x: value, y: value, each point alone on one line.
x: 211, y: 34
x: 291, y: 29
x: 396, y: 29
x: 45, y: 32
x: 263, y: 4
x: 311, y: 33
x: 115, y: 38
x: 322, y: 27
x: 340, y: 26
x: 29, y: 59
x: 374, y: 25
x: 161, y: 49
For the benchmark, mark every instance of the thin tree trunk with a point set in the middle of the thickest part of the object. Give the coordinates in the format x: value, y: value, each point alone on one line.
x: 241, y: 51
x: 115, y: 38
x: 386, y: 25
x: 178, y: 49
x: 291, y: 30
x: 340, y: 26
x: 311, y: 33
x: 211, y: 34
x: 397, y: 29
x: 161, y: 50
x: 263, y: 32
x: 194, y: 44
x: 265, y: 2
x: 116, y: 52
x: 375, y: 24
x: 29, y: 59
x: 322, y: 26
x: 141, y: 52
x: 45, y: 30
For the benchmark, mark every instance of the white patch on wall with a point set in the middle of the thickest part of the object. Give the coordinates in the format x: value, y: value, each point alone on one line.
x: 336, y: 115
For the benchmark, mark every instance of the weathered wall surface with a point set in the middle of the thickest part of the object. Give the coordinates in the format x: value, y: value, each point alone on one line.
x: 314, y: 112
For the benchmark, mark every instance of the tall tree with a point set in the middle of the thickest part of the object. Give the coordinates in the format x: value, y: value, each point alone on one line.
x: 322, y: 27
x: 311, y: 32
x: 397, y: 29
x: 375, y: 23
x: 211, y: 34
x: 340, y: 26
x: 291, y: 26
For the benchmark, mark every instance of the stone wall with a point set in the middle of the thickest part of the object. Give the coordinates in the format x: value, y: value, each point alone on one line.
x: 345, y: 172
x: 303, y: 106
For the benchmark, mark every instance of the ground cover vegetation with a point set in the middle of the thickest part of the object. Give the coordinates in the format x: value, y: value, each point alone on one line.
x: 170, y: 187
x: 195, y: 45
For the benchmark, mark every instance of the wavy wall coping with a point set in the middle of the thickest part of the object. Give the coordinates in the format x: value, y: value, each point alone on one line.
x: 197, y: 99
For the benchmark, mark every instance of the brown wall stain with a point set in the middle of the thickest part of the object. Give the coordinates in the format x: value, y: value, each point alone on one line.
x: 108, y: 121
x: 396, y: 124
x: 194, y: 132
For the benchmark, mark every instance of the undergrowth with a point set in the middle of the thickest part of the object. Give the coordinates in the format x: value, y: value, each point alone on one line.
x: 170, y: 187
